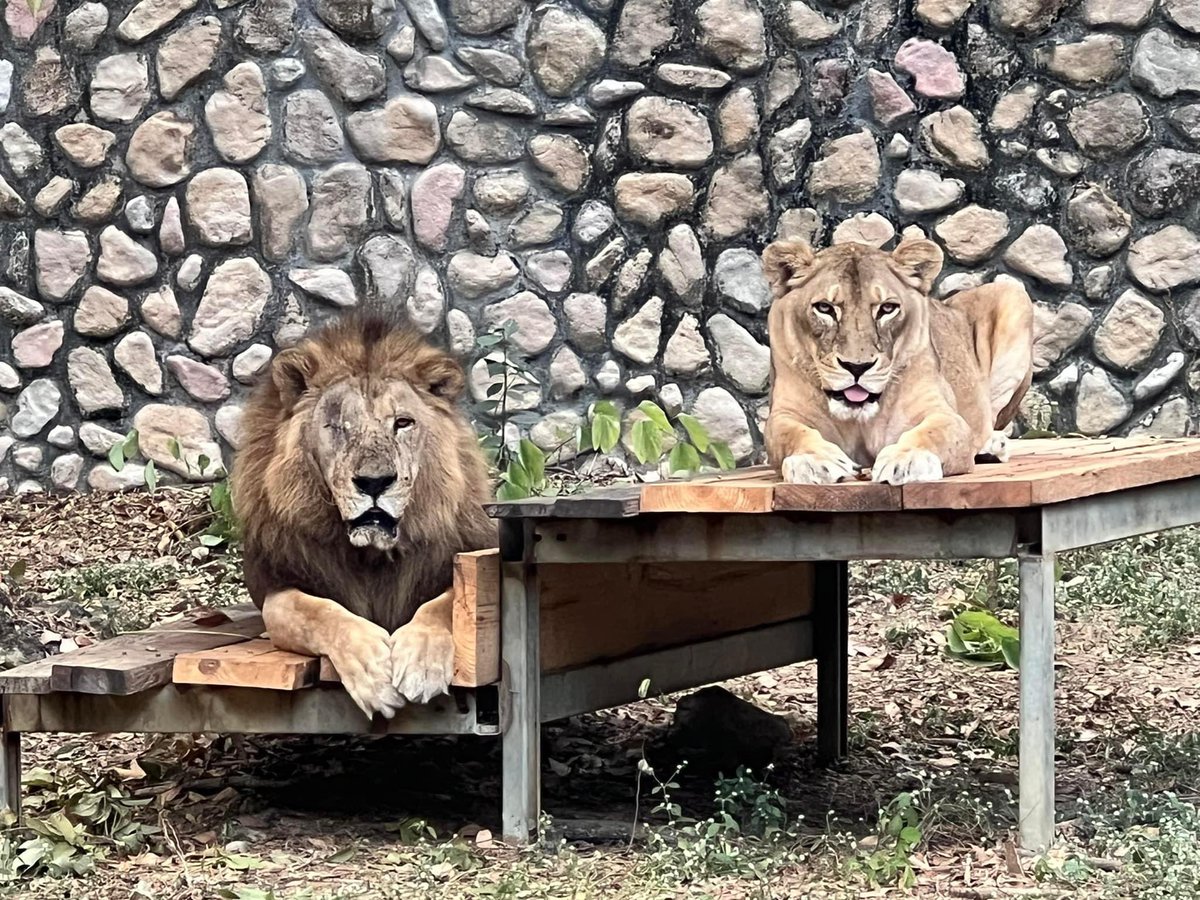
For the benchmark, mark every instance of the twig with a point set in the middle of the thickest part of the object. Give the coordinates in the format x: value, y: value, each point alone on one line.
x: 172, y: 839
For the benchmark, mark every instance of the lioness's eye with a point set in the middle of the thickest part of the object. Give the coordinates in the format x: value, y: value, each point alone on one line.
x: 886, y: 309
x: 825, y: 309
x: 401, y: 423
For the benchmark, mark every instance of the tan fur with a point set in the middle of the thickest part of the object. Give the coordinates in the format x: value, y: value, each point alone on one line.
x: 365, y: 396
x: 947, y: 376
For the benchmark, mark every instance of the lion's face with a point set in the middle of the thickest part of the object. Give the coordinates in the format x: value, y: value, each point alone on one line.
x: 367, y: 419
x: 855, y: 312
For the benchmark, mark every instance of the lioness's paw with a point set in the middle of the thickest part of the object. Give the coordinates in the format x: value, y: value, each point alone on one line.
x: 996, y: 448
x: 898, y: 466
x: 827, y: 466
x: 362, y: 655
x: 422, y: 662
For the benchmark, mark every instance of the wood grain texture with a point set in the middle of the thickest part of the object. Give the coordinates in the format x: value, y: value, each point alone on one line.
x: 741, y: 491
x: 254, y: 663
x: 476, y: 618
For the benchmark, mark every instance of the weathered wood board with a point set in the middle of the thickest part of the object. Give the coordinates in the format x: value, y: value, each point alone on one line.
x: 255, y: 663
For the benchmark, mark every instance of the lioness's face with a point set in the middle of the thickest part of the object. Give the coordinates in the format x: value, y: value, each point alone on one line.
x: 854, y: 310
x: 368, y: 437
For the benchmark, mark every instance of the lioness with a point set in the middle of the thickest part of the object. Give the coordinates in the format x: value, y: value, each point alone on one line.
x: 867, y: 370
x: 357, y: 481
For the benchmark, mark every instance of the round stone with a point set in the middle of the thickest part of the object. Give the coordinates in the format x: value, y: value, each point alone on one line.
x: 668, y: 132
x: 564, y: 47
x: 218, y: 205
x: 157, y: 155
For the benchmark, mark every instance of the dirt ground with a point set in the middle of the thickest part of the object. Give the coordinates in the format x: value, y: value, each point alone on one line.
x: 924, y: 805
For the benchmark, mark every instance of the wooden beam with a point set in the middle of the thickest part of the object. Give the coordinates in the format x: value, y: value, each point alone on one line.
x: 476, y: 618
x: 257, y: 664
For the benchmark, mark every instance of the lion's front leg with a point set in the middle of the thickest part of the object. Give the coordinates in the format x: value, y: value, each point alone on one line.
x: 803, y: 455
x: 939, y: 445
x: 423, y: 651
x: 360, y: 650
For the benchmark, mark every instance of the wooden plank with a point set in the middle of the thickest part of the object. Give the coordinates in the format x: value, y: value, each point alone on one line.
x: 847, y: 496
x: 741, y: 491
x: 617, y: 501
x: 255, y: 663
x: 137, y: 661
x: 1119, y: 471
x: 28, y: 678
x: 476, y: 618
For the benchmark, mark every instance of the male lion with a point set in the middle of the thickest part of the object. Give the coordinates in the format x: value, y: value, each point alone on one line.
x: 868, y: 370
x: 357, y: 481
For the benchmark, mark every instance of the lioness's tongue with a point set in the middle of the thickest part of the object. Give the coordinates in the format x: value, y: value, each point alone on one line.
x: 856, y: 393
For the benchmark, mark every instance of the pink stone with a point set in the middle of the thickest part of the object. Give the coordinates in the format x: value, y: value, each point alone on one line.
x: 433, y: 196
x: 933, y: 67
x: 888, y: 99
x: 34, y: 348
x: 202, y: 382
x: 23, y: 21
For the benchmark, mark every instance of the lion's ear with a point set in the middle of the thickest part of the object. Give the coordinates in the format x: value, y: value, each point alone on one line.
x: 441, y: 376
x: 786, y: 262
x: 921, y: 259
x: 292, y: 371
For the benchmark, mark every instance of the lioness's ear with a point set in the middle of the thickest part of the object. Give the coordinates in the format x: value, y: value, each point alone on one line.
x: 921, y: 259
x: 442, y: 376
x: 785, y: 263
x: 291, y: 371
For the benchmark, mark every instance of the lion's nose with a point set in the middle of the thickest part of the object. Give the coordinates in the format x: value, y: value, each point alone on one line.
x: 856, y: 369
x: 374, y: 485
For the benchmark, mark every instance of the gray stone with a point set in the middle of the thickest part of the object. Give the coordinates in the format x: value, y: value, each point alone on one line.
x: 805, y: 26
x: 435, y: 193
x: 889, y: 102
x: 120, y: 88
x: 66, y: 471
x: 610, y: 92
x: 229, y: 424
x: 429, y: 21
x: 799, y: 225
x: 492, y: 65
x: 651, y: 198
x: 37, y: 406
x: 608, y: 376
x: 357, y: 18
x: 352, y: 75
x: 49, y: 199
x: 62, y: 436
x: 436, y: 75
x: 594, y: 220
x: 482, y: 17
x: 149, y: 17
x: 105, y: 478
x: 644, y: 30
x: 201, y: 382
x: 62, y: 258
x: 500, y: 193
x: 567, y: 378
x: 186, y: 54
x: 175, y: 437
x: 692, y: 78
x: 1040, y: 252
x: 740, y: 282
x: 785, y: 150
x: 732, y: 33
x: 1122, y: 13
x: 84, y: 144
x: 848, y: 170
x: 92, y: 381
x: 17, y: 310
x: 1108, y: 127
x: 23, y: 153
x: 1184, y: 13
x: 472, y: 276
x: 404, y: 131
x: 160, y: 311
x: 333, y: 286
x: 953, y: 138
x: 586, y: 318
x: 551, y: 270
x: 1165, y: 259
x: 293, y: 324
x: 601, y: 266
x: 234, y: 297
x: 782, y: 83
x: 484, y: 141
x: 1163, y: 181
x: 1171, y: 420
x: 725, y: 420
x: 668, y: 132
x: 1097, y: 282
x: 9, y: 379
x: 1129, y: 331
x: 427, y: 305
x: 502, y: 101
x: 686, y: 353
x: 281, y: 197
x: 6, y: 74
x: 871, y: 229
x: 1096, y: 223
x: 737, y: 120
x: 123, y: 261
x: 460, y: 332
x: 158, y: 152
x: 135, y: 356
x: 139, y: 213
x: 85, y: 25
x: 1186, y: 120
x: 1099, y: 406
x: 188, y: 275
x: 1097, y: 59
x: 312, y: 133
x: 536, y: 327
x: 251, y: 363
x: 740, y: 358
x: 30, y: 459
x: 681, y: 265
x: 100, y: 313
x: 1025, y: 16
x: 1057, y: 330
x: 340, y: 211
x: 564, y: 47
x: 286, y: 72
x: 1157, y: 379
x: 737, y: 199
x: 218, y: 206
x: 637, y: 338
x: 563, y: 159
x: 99, y: 202
x: 1165, y: 65
x: 921, y: 191
x: 971, y: 234
x: 12, y: 206
x: 237, y: 115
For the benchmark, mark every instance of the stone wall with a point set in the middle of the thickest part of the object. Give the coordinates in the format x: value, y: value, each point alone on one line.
x: 186, y: 184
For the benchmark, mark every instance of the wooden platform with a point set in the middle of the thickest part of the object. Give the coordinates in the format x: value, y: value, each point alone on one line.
x: 1039, y: 472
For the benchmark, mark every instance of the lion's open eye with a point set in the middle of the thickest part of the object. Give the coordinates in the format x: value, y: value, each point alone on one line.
x: 402, y: 423
x: 826, y: 309
x: 886, y: 309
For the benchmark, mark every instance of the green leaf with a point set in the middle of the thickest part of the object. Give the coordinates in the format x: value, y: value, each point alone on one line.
x: 131, y: 444
x: 606, y: 426
x: 954, y: 642
x: 910, y: 835
x: 203, y: 462
x: 116, y: 456
x: 644, y: 689
x: 174, y: 449
x: 518, y: 475
x: 17, y: 570
x: 342, y: 856
x: 1011, y: 649
x: 534, y: 462
x: 683, y: 458
x: 211, y: 540
x: 723, y: 456
x: 696, y: 431
x: 150, y: 476
x: 654, y: 413
x: 488, y: 340
x: 647, y: 441
x: 510, y: 491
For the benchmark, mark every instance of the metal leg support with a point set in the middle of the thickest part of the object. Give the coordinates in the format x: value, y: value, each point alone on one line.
x: 1037, y: 699
x: 10, y: 766
x: 520, y: 644
x: 832, y: 645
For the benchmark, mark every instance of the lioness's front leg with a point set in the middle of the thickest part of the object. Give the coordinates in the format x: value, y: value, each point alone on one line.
x: 360, y: 650
x: 423, y: 651
x: 803, y: 455
x: 938, y: 445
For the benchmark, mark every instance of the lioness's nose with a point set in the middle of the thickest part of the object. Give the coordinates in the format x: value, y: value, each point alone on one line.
x: 374, y: 485
x: 856, y: 369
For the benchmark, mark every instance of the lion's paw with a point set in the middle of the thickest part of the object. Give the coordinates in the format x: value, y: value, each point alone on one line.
x: 362, y: 655
x: 895, y: 465
x: 996, y: 448
x: 827, y: 466
x: 422, y: 662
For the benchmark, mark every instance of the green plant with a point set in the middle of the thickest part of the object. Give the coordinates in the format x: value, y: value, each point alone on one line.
x: 976, y: 636
x: 124, y: 450
x: 648, y: 435
x: 885, y: 857
x: 222, y: 527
